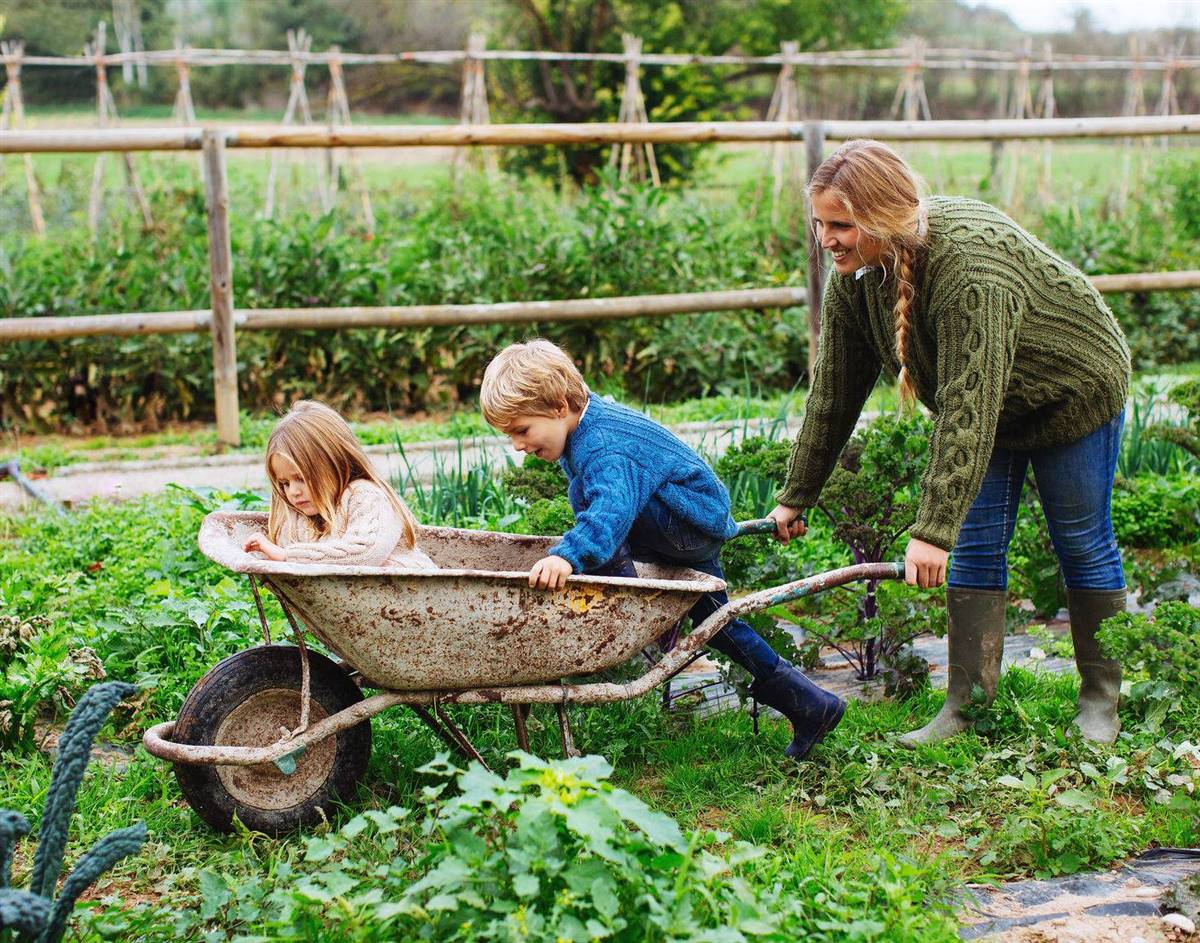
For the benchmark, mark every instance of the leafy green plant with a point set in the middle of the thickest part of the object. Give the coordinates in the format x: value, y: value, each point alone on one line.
x: 1165, y: 646
x: 36, y: 915
x: 1186, y: 396
x: 871, y: 500
x: 1156, y: 512
x: 1148, y: 445
x: 550, y: 851
x: 753, y: 470
x: 1062, y: 828
x: 550, y: 517
x: 534, y: 480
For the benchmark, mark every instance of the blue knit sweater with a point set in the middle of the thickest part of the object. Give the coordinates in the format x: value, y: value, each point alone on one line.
x: 619, y: 464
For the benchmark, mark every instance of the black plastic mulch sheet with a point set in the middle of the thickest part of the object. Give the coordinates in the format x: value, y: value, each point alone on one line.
x: 1028, y: 903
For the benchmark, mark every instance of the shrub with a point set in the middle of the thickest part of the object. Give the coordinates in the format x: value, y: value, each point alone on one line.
x: 1156, y: 512
x: 753, y: 470
x: 1165, y: 646
x: 534, y: 480
x: 550, y: 517
x: 872, y: 499
x: 550, y: 851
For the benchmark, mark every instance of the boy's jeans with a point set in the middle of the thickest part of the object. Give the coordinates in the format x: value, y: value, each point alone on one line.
x: 658, y: 536
x: 1075, y: 483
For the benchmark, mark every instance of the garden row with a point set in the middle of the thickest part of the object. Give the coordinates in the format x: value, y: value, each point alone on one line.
x: 476, y: 243
x: 866, y: 843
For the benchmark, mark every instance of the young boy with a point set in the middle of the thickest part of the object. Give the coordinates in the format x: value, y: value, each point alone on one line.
x: 639, y: 493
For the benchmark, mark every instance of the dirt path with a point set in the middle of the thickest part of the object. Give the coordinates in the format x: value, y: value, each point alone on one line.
x: 73, y: 484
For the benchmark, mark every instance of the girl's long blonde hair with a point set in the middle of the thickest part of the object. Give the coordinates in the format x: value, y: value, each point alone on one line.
x: 882, y: 194
x: 319, y: 442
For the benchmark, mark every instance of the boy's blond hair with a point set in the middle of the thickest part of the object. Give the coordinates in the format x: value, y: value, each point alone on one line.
x: 530, y: 379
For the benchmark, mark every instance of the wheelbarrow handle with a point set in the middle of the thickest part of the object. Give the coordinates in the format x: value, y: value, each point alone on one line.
x: 762, y: 526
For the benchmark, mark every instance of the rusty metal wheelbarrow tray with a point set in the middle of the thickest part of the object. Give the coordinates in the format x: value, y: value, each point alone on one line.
x: 473, y: 632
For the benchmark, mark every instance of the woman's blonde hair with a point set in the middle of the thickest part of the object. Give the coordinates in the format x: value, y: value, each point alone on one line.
x: 319, y: 442
x: 530, y: 379
x: 882, y: 194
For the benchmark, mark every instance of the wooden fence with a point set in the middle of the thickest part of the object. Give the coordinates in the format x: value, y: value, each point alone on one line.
x: 223, y: 318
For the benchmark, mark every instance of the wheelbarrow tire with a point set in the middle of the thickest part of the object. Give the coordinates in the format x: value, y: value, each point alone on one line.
x: 243, y: 701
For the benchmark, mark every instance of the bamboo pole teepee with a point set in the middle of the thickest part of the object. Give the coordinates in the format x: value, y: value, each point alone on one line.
x: 639, y: 158
x: 106, y: 117
x: 12, y: 117
x: 338, y: 112
x: 473, y: 109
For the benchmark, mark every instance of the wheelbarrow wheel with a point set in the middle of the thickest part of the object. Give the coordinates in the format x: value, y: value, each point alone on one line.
x: 244, y: 701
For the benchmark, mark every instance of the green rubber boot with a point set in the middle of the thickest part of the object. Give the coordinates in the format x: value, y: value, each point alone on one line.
x: 976, y: 639
x: 1099, y: 677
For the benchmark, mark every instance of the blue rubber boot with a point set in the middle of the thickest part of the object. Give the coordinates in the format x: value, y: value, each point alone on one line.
x: 812, y: 710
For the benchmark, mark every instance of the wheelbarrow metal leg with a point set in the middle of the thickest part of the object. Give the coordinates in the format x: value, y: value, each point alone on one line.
x: 564, y: 728
x: 520, y: 712
x: 465, y: 744
x: 449, y: 734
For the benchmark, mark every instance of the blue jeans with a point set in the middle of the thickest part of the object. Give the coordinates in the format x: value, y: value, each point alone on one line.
x: 1075, y: 483
x: 658, y: 536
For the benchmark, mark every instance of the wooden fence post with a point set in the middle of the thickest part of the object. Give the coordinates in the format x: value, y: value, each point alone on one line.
x: 814, y: 150
x: 220, y: 256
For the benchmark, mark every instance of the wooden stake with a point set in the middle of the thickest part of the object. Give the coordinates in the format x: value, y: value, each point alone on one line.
x: 633, y: 111
x: 184, y: 110
x: 473, y: 108
x: 106, y: 116
x: 1168, y: 101
x: 299, y: 46
x: 220, y: 255
x: 338, y: 110
x: 1046, y: 107
x: 13, y: 116
x: 784, y: 107
x: 1134, y: 105
x: 814, y: 149
x: 1020, y: 108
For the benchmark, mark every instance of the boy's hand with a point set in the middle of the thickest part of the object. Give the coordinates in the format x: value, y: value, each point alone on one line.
x: 259, y: 542
x: 789, y: 522
x: 550, y: 573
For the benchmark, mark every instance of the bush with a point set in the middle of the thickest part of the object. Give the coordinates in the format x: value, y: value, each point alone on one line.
x: 471, y: 245
x: 550, y: 517
x: 550, y: 851
x: 1166, y: 646
x: 1156, y: 512
x: 535, y: 480
x: 753, y: 471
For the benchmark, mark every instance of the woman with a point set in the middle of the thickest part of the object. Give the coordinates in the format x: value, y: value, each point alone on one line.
x: 1021, y: 363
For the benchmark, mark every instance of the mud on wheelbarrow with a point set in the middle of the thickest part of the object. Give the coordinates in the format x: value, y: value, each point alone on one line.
x: 276, y: 734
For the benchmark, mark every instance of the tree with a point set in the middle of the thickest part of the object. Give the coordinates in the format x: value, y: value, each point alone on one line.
x: 589, y: 91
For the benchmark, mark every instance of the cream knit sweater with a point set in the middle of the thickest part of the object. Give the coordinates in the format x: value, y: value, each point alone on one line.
x: 367, y: 531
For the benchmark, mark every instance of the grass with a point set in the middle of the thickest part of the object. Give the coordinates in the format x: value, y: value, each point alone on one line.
x: 47, y: 453
x: 867, y: 832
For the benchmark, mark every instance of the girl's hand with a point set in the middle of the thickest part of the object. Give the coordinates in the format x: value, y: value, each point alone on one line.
x: 259, y: 542
x: 789, y: 522
x: 550, y: 573
x: 924, y: 564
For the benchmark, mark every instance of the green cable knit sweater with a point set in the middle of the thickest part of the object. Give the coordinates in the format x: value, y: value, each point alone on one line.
x: 1008, y: 345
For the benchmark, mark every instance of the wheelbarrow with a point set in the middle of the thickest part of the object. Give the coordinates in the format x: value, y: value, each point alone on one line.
x: 277, y: 734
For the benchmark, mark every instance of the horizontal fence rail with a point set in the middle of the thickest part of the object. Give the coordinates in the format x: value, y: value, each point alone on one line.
x: 675, y: 132
x: 507, y: 312
x: 930, y: 58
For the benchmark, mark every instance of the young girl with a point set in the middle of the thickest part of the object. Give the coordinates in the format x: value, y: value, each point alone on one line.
x: 1023, y: 365
x: 328, y: 505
